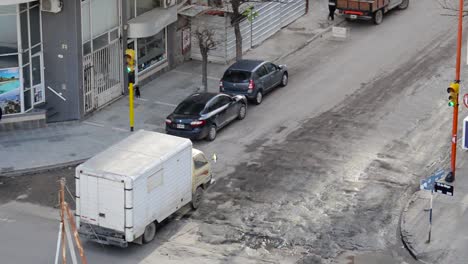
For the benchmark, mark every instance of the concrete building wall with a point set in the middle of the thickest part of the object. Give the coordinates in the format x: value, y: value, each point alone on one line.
x: 63, y: 62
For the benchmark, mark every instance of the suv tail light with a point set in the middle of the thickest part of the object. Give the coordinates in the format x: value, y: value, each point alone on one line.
x: 198, y: 123
x: 251, y: 85
x: 168, y: 121
x: 221, y: 86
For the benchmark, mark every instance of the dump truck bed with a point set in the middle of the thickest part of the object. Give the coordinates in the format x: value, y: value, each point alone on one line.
x: 361, y: 5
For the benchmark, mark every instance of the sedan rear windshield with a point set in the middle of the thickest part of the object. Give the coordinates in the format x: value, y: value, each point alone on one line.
x: 189, y: 107
x: 236, y: 76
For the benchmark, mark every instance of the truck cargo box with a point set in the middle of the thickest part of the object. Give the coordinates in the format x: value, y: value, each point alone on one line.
x: 144, y: 178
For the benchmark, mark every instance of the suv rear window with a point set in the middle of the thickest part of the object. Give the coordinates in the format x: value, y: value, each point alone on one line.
x: 236, y: 76
x: 189, y: 107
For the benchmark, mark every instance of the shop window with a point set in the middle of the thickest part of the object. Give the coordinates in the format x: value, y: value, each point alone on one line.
x: 27, y: 100
x: 151, y: 51
x: 104, y: 16
x: 7, y: 9
x: 24, y: 30
x: 38, y: 95
x: 36, y: 49
x: 10, y: 61
x: 36, y: 70
x: 130, y: 9
x: 35, y: 24
x: 9, y: 36
x: 26, y: 77
x: 144, y: 6
x: 100, y: 42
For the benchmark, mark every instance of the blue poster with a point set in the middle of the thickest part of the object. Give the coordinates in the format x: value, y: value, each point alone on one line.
x: 10, y: 99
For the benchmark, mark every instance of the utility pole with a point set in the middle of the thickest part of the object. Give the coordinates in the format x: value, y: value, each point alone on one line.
x: 451, y: 175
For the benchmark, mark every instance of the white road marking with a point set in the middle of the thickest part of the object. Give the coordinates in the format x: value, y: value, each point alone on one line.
x: 104, y: 126
x: 162, y: 103
x: 142, y: 99
x: 188, y: 73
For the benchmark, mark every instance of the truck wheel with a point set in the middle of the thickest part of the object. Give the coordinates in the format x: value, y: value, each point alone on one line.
x: 149, y: 234
x: 404, y: 4
x: 378, y: 17
x: 197, y: 198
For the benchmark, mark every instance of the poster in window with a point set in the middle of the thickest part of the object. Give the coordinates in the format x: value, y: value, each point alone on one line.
x: 185, y: 40
x: 10, y: 86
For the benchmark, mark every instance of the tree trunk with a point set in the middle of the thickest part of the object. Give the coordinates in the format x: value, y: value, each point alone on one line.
x: 205, y: 71
x: 237, y: 32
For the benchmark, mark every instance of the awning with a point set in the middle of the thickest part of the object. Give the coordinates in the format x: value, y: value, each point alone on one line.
x: 152, y: 22
x: 12, y: 2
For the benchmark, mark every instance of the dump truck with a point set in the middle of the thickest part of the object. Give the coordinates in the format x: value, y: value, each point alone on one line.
x: 123, y: 192
x: 368, y: 9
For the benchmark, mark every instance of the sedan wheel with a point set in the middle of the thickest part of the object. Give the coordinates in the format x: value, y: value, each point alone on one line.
x: 212, y: 133
x: 259, y: 98
x: 404, y: 5
x: 242, y: 112
x: 284, y: 80
x: 149, y: 234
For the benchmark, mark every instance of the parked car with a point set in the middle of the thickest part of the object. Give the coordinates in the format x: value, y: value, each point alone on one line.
x: 201, y: 115
x: 253, y: 78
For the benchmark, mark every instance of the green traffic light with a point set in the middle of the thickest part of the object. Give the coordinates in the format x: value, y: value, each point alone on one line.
x: 129, y: 69
x: 452, y: 104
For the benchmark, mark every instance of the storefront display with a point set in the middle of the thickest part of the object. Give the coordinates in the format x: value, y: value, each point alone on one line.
x: 10, y: 88
x: 151, y: 51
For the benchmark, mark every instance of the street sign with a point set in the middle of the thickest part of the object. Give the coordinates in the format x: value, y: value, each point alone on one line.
x: 443, y: 188
x: 465, y: 133
x: 428, y: 183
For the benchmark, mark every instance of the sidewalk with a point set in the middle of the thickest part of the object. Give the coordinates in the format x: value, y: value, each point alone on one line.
x: 69, y: 143
x: 449, y: 238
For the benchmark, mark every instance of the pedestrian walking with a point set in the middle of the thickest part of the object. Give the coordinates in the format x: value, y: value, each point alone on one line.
x: 332, y: 9
x: 137, y: 91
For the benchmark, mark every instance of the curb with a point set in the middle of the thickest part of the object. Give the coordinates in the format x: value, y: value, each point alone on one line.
x: 318, y: 35
x: 404, y: 235
x: 31, y: 171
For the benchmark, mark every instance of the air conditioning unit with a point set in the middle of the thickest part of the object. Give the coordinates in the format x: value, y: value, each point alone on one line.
x: 168, y: 3
x: 52, y: 6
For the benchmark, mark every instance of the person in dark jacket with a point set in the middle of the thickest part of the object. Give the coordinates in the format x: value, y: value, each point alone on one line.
x: 0, y: 113
x: 332, y: 9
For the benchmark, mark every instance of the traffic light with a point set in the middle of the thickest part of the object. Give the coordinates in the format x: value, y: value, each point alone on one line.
x: 453, y: 91
x: 130, y: 57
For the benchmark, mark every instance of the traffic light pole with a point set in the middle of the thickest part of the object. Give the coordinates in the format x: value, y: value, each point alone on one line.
x: 131, y: 112
x: 451, y: 176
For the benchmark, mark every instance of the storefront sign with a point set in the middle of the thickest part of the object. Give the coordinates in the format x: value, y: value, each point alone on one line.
x: 186, y: 40
x: 10, y: 99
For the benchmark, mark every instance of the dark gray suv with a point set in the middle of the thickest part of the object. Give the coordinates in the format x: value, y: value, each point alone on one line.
x: 253, y: 78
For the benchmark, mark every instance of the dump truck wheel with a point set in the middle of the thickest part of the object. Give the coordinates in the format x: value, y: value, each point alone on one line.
x: 197, y: 198
x: 404, y: 5
x: 150, y: 233
x: 378, y: 17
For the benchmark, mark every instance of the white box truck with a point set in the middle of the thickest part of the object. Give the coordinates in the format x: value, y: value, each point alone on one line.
x: 124, y: 191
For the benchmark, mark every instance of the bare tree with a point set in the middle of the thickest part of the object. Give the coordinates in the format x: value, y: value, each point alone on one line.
x: 205, y: 43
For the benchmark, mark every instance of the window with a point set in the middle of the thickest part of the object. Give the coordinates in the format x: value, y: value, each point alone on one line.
x: 130, y: 9
x: 151, y: 50
x: 144, y: 6
x: 155, y: 180
x: 261, y: 72
x: 189, y: 107
x: 236, y: 76
x: 224, y: 100
x: 271, y: 67
x: 9, y: 33
x: 199, y: 161
x: 214, y: 104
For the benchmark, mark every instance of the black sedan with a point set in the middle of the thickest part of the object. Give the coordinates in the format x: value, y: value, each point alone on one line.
x: 201, y: 115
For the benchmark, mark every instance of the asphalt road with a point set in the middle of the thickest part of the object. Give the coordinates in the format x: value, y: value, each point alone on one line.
x: 318, y: 173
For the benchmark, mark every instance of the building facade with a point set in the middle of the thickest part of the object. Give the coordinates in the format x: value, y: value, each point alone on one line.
x: 66, y: 58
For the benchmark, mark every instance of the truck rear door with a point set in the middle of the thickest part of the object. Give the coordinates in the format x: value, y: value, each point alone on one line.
x: 102, y: 202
